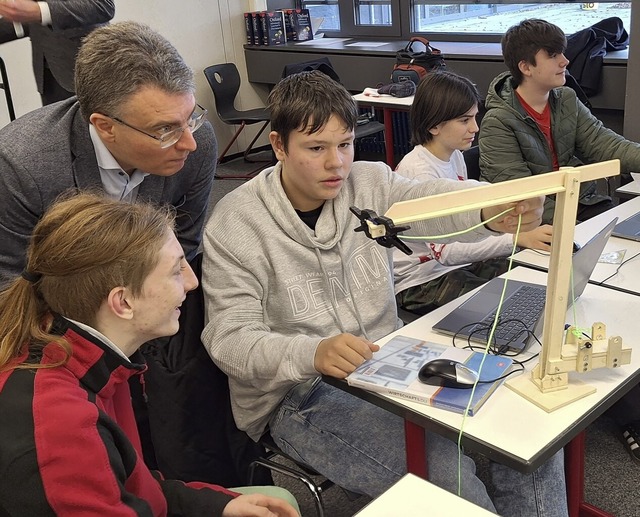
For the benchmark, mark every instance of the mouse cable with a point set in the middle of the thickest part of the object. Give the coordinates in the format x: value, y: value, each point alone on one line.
x: 504, y: 349
x: 494, y: 349
x: 617, y: 269
x: 483, y: 328
x: 520, y: 369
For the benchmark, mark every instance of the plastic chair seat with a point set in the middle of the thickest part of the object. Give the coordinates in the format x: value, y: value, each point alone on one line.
x: 252, y: 116
x: 368, y: 129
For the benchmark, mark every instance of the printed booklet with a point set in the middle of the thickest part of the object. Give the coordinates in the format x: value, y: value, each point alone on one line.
x: 393, y: 370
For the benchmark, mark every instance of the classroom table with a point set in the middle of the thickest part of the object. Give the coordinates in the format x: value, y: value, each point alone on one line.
x: 389, y: 104
x: 627, y: 278
x: 628, y: 191
x: 502, y: 429
x: 412, y: 496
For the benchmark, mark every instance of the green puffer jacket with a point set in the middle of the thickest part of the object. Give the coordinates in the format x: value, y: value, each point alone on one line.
x: 512, y: 146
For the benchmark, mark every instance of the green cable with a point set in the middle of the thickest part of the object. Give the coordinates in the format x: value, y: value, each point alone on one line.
x: 486, y: 350
x: 455, y: 234
x: 576, y: 330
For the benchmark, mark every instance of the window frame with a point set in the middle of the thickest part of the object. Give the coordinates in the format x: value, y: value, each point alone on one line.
x: 401, y: 10
x: 349, y: 27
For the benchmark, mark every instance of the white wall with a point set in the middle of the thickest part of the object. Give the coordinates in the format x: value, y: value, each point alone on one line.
x: 205, y: 32
x: 17, y: 59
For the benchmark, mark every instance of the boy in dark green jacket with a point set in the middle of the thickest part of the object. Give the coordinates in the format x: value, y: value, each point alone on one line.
x: 534, y: 124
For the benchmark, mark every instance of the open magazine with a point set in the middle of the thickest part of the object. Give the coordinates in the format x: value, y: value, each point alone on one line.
x: 393, y: 370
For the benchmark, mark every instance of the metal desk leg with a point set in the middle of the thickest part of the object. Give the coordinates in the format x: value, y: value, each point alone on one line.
x: 387, y: 117
x: 574, y: 474
x: 415, y: 449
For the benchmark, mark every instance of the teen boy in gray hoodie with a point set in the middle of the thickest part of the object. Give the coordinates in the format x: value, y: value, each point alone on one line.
x: 292, y: 292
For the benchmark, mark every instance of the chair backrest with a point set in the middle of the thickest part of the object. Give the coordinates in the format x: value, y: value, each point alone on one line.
x: 224, y: 80
x: 322, y: 64
x: 472, y: 161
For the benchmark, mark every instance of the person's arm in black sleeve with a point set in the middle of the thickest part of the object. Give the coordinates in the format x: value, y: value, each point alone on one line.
x: 70, y: 14
x: 193, y: 499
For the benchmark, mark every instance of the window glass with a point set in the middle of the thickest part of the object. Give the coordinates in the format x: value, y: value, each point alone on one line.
x: 328, y: 12
x: 373, y: 12
x: 427, y: 16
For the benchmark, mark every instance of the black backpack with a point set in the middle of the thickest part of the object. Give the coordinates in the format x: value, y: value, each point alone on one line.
x: 412, y: 65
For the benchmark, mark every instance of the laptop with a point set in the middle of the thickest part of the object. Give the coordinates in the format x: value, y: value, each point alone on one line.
x: 629, y: 228
x: 523, y: 305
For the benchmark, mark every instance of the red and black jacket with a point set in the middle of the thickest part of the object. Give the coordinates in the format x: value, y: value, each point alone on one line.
x: 69, y: 444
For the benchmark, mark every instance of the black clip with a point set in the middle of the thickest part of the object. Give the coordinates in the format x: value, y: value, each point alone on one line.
x: 390, y: 238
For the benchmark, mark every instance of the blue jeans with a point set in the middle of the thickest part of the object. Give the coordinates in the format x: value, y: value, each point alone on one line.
x: 361, y: 447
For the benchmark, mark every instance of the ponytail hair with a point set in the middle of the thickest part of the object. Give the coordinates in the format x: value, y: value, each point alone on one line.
x: 83, y: 247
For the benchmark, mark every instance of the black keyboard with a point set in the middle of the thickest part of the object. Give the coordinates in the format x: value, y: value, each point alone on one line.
x: 525, y: 305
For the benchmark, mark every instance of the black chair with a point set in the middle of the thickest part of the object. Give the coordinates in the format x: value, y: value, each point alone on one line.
x: 7, y: 91
x: 301, y: 472
x: 321, y: 64
x: 185, y: 418
x: 224, y: 80
x: 472, y: 161
x: 371, y: 128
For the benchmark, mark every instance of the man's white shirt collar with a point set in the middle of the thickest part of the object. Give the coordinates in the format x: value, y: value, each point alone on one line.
x: 116, y: 182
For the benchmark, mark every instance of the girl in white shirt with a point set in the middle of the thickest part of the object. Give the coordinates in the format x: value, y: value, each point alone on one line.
x: 443, y: 124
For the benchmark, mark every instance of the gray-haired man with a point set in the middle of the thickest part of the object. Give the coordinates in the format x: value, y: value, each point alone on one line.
x: 134, y: 131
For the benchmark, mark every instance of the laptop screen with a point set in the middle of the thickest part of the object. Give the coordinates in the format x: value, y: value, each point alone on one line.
x: 629, y: 228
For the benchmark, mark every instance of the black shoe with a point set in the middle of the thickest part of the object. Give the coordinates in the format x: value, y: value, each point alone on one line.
x: 631, y: 439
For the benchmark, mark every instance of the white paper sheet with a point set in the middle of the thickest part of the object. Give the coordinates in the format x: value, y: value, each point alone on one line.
x: 323, y: 41
x: 367, y: 44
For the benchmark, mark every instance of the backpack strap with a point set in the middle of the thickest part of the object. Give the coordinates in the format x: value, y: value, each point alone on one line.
x: 428, y: 48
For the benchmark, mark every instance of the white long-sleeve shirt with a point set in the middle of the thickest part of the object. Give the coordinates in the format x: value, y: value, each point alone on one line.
x: 430, y: 260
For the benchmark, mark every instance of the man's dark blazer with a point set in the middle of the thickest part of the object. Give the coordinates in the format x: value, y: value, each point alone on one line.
x: 49, y: 151
x: 58, y: 44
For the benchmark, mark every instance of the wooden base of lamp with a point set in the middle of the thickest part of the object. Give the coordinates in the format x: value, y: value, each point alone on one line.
x: 550, y: 400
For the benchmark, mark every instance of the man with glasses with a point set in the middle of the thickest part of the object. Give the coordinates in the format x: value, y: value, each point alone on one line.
x: 134, y: 131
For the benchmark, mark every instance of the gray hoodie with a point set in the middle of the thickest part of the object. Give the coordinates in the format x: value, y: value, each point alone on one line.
x: 274, y: 288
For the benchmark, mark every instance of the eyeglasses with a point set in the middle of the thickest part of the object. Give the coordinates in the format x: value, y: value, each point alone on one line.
x: 172, y: 136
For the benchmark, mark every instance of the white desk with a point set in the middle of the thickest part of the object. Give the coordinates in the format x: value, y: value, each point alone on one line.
x: 509, y: 429
x: 628, y: 277
x: 413, y: 496
x: 629, y: 190
x: 388, y: 103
